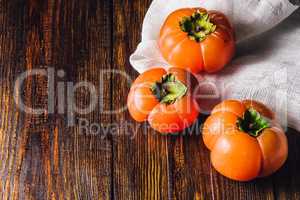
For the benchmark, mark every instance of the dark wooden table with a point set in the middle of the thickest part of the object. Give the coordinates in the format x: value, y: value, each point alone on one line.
x: 47, y: 156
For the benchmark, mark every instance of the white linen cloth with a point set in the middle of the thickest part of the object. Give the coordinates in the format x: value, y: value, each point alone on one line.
x: 266, y: 68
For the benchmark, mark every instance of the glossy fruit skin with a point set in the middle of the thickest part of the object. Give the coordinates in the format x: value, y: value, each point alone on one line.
x: 209, y: 55
x: 164, y: 118
x: 238, y: 155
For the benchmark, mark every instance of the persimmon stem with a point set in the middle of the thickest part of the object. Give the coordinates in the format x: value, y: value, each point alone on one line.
x: 197, y: 26
x: 169, y: 89
x: 252, y: 123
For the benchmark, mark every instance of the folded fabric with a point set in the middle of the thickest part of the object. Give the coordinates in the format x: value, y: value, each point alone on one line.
x: 266, y: 66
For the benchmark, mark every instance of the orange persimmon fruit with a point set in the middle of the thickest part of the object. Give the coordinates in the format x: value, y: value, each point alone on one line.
x: 245, y: 140
x: 164, y: 98
x: 197, y: 40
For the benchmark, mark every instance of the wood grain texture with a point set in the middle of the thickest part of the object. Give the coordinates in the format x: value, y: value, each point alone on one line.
x: 140, y: 161
x: 47, y: 156
x: 42, y: 157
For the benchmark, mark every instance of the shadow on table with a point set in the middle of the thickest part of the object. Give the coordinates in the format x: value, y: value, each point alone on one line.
x: 287, y: 180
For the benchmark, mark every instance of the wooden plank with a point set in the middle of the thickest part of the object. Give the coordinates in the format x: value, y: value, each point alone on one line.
x: 87, y: 156
x: 11, y: 134
x: 190, y: 173
x: 228, y: 189
x: 41, y: 157
x: 139, y: 154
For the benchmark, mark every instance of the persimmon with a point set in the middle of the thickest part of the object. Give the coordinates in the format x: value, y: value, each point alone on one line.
x: 197, y: 40
x: 245, y: 140
x: 164, y: 98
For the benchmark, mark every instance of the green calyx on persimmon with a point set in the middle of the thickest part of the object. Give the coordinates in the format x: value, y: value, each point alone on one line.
x: 252, y: 122
x: 168, y: 89
x: 197, y: 26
